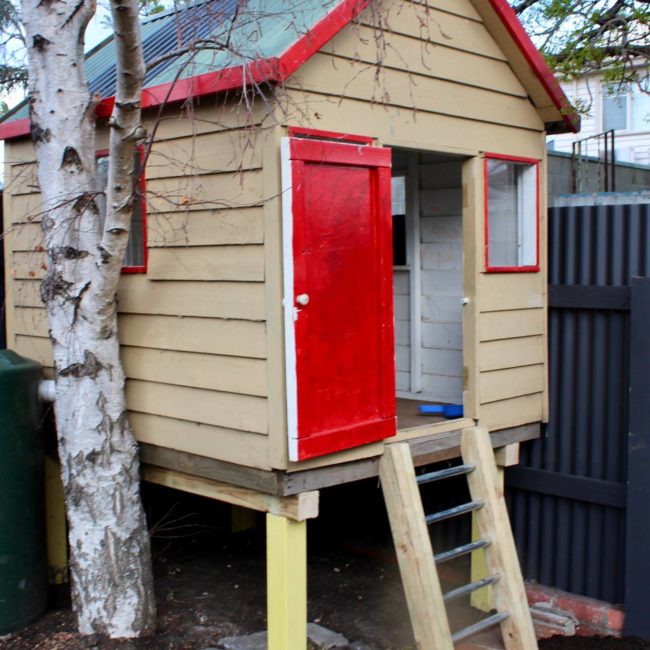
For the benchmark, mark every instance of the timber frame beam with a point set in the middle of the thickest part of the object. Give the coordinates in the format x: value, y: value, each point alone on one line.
x: 179, y: 465
x: 299, y: 507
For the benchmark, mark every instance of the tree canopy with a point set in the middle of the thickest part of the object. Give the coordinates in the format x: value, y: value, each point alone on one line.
x: 579, y: 37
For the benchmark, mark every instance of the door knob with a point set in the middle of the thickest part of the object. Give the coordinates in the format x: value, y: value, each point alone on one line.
x: 302, y: 299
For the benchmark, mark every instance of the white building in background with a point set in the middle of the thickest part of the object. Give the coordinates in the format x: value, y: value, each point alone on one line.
x: 628, y: 113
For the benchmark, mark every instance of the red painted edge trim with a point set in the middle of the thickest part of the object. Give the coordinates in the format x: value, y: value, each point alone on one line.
x: 275, y: 70
x: 537, y: 63
x: 332, y: 441
x: 271, y: 70
x: 210, y: 83
x: 326, y: 28
x: 302, y: 132
x: 102, y: 153
x: 15, y: 129
x: 486, y: 244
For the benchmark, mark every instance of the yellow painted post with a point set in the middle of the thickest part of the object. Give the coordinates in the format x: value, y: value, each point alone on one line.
x: 482, y: 599
x: 57, y: 539
x: 286, y: 583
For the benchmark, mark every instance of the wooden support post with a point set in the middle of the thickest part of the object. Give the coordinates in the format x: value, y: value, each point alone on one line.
x: 493, y: 522
x: 483, y: 599
x: 413, y: 548
x: 286, y: 571
x: 56, y: 529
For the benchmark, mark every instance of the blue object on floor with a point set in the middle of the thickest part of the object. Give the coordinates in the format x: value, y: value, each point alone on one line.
x: 446, y: 410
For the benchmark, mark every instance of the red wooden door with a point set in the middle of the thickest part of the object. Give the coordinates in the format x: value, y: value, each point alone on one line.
x: 338, y: 296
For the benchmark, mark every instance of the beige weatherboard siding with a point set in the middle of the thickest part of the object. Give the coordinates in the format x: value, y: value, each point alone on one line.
x: 202, y: 330
x: 193, y: 328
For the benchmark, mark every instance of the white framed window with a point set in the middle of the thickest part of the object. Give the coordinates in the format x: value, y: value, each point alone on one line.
x: 511, y: 214
x: 135, y: 257
x: 627, y: 110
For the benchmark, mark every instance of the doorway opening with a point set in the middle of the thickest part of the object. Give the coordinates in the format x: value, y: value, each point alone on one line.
x: 428, y: 280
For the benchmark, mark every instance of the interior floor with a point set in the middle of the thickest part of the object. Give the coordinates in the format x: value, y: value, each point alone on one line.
x: 409, y: 417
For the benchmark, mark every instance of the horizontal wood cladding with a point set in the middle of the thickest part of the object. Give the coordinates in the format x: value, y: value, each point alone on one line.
x: 453, y: 30
x: 499, y: 385
x: 236, y: 300
x: 231, y: 445
x: 238, y: 263
x: 232, y: 337
x: 34, y: 347
x: 206, y: 227
x: 512, y: 412
x: 510, y: 291
x: 406, y: 127
x: 206, y: 191
x: 408, y: 53
x: 513, y: 323
x: 511, y: 353
x: 401, y: 89
x: 196, y: 370
x: 192, y: 328
x: 464, y: 9
x: 230, y: 410
x: 207, y: 153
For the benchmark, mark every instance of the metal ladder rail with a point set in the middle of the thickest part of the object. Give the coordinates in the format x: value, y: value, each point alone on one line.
x: 418, y: 564
x: 465, y: 590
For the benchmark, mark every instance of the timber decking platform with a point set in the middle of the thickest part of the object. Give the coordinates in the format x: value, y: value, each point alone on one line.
x: 431, y: 439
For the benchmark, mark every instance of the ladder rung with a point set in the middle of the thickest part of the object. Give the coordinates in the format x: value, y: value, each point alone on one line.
x: 469, y: 588
x: 459, y: 551
x: 481, y: 626
x: 459, y: 470
x: 454, y: 512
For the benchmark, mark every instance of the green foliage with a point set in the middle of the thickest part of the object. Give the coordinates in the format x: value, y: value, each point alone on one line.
x: 578, y: 37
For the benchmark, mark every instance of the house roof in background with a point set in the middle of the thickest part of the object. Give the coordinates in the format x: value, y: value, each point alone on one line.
x: 266, y: 44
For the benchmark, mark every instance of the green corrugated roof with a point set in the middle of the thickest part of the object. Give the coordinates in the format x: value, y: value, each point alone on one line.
x: 259, y: 30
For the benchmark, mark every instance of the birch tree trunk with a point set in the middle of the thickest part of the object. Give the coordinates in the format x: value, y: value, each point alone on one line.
x: 110, y: 560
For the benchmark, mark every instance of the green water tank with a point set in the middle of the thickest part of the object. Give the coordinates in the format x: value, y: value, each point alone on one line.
x: 23, y: 564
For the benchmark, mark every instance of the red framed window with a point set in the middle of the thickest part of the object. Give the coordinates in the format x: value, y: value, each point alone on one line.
x: 135, y: 257
x: 511, y: 214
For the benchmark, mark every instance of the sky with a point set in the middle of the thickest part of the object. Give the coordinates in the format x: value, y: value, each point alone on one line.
x: 97, y: 31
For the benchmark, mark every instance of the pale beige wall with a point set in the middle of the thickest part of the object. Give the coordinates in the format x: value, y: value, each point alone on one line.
x: 446, y: 86
x: 193, y: 328
x: 202, y: 330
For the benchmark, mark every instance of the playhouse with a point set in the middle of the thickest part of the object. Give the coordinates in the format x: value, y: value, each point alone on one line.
x: 343, y: 223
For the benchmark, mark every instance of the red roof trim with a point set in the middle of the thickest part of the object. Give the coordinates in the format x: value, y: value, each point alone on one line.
x: 325, y: 29
x: 14, y: 129
x: 537, y: 63
x: 274, y: 70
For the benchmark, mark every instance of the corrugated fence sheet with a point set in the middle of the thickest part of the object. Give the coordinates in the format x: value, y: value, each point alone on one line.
x: 567, y: 497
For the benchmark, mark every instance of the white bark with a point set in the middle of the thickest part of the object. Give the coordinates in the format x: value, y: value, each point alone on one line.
x: 110, y: 560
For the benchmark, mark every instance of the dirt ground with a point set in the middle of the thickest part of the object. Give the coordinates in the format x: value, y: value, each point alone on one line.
x: 210, y: 582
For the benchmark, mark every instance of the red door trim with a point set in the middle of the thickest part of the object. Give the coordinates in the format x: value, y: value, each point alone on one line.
x: 295, y: 154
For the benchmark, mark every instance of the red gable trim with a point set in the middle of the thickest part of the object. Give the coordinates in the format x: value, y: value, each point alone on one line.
x: 274, y: 70
x: 537, y: 63
x: 308, y: 44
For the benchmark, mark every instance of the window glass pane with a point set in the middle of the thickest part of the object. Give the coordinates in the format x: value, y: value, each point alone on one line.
x: 398, y: 188
x: 134, y: 255
x: 614, y: 112
x: 640, y: 111
x: 512, y: 214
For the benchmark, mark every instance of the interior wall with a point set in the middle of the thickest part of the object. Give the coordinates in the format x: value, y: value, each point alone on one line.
x: 441, y: 254
x: 440, y: 277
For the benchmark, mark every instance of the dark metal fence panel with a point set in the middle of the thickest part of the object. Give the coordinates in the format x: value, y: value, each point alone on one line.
x: 567, y: 496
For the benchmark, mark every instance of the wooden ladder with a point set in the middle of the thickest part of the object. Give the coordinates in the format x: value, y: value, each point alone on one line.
x: 409, y: 524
